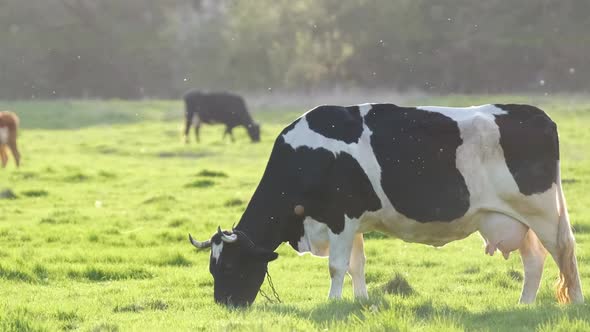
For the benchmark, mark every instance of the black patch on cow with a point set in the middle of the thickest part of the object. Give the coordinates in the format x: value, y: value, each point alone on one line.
x: 328, y: 186
x: 337, y: 122
x: 531, y: 148
x: 344, y: 189
x: 416, y: 150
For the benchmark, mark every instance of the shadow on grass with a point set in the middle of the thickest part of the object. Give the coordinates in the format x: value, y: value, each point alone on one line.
x: 15, y: 275
x: 333, y: 310
x: 212, y: 174
x: 35, y: 193
x: 520, y: 318
x: 581, y: 227
x: 20, y: 319
x: 185, y: 154
x: 104, y: 274
x: 200, y: 184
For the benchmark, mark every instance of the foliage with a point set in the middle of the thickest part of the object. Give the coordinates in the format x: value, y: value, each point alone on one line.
x: 136, y: 48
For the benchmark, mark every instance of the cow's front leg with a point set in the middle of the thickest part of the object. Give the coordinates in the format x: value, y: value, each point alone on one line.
x: 356, y: 268
x: 340, y: 248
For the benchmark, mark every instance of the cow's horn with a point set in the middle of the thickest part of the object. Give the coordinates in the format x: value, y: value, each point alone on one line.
x: 299, y: 210
x: 227, y: 238
x: 199, y: 245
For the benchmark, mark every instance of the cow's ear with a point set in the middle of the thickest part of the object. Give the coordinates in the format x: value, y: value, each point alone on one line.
x: 271, y: 256
x: 265, y: 255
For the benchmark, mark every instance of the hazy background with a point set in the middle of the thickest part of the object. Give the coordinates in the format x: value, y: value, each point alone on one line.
x: 160, y: 48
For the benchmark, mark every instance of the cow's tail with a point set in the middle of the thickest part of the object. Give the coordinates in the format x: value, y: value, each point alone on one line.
x: 568, y: 286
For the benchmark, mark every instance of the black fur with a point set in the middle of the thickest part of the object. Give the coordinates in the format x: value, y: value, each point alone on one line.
x: 239, y: 289
x: 337, y: 122
x: 531, y: 148
x: 416, y: 152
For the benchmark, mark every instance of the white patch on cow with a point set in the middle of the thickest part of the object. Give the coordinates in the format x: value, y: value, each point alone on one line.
x: 362, y: 152
x: 315, y: 238
x: 216, y: 250
x: 3, y: 135
x: 302, y: 135
x: 364, y: 109
x: 465, y: 113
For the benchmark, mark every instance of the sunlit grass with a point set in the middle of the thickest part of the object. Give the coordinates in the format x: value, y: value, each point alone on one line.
x: 96, y: 235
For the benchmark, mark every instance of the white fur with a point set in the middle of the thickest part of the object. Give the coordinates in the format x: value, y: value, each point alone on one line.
x: 315, y: 238
x: 341, y: 247
x: 533, y: 255
x: 216, y: 250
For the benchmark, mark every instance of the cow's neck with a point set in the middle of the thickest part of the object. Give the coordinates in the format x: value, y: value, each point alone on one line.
x: 269, y: 219
x: 269, y: 215
x: 264, y: 222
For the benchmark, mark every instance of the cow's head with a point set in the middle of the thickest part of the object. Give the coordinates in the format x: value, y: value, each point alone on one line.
x: 254, y: 131
x: 237, y: 265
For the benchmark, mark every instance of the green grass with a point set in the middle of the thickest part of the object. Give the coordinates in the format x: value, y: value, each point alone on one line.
x: 96, y: 237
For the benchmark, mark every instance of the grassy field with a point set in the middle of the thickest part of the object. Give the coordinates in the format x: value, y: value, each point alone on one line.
x: 96, y: 237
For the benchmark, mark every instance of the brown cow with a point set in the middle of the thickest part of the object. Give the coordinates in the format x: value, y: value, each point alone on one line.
x: 8, y: 129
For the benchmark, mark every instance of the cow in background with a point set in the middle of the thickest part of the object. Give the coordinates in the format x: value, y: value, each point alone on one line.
x: 218, y: 107
x: 8, y: 129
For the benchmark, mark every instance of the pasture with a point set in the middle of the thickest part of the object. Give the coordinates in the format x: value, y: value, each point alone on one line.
x: 93, y: 233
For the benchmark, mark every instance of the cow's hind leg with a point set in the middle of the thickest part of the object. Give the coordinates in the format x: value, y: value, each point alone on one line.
x: 229, y: 131
x: 555, y: 233
x: 14, y: 150
x: 340, y: 249
x: 197, y: 131
x: 356, y: 268
x: 196, y: 121
x: 533, y: 255
x: 3, y: 155
x: 187, y: 126
x: 559, y: 241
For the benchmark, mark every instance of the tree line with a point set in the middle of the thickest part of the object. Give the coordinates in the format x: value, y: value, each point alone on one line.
x: 160, y: 48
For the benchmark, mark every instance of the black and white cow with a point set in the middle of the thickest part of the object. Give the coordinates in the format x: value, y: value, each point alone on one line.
x: 430, y: 175
x: 218, y: 107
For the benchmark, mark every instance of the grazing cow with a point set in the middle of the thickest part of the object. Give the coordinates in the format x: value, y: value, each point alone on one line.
x: 430, y: 175
x: 218, y: 107
x: 8, y: 129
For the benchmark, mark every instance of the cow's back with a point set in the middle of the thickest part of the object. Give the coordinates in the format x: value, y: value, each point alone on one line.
x: 8, y: 120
